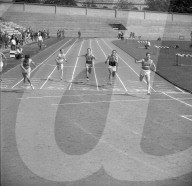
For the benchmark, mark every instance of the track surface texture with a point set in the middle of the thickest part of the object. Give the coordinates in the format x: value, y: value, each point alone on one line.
x: 74, y: 132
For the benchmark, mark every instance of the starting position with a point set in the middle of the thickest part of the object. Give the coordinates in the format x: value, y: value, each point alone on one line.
x: 89, y: 62
x: 26, y: 69
x: 113, y: 64
x: 147, y: 64
x: 59, y: 61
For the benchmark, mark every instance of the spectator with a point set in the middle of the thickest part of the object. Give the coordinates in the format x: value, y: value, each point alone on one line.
x: 18, y: 53
x: 159, y: 38
x: 148, y: 44
x: 191, y: 36
x: 119, y: 35
x: 122, y: 36
x: 79, y: 34
x: 48, y: 33
x: 40, y: 41
x: 13, y: 42
x: 63, y: 33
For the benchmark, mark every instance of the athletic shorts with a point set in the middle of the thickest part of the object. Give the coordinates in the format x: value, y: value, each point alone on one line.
x: 112, y: 68
x: 27, y: 73
x: 88, y: 66
x: 60, y: 66
x: 145, y: 72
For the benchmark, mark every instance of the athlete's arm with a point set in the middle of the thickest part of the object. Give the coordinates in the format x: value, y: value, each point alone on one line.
x: 154, y: 66
x: 33, y: 63
x: 138, y: 61
x: 107, y: 60
x: 65, y: 59
x: 22, y: 65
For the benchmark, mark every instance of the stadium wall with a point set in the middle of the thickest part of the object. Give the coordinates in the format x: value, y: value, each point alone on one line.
x: 95, y: 12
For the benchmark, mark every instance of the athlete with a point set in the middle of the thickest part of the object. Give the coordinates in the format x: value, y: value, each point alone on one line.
x: 147, y: 64
x: 89, y: 62
x: 40, y: 40
x: 26, y: 69
x: 59, y: 61
x: 113, y: 65
x: 3, y: 60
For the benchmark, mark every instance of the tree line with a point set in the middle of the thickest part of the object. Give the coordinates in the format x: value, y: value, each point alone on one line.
x: 179, y: 6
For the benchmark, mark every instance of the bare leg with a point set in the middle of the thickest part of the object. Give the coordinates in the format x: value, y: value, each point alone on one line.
x: 110, y: 79
x: 61, y: 74
x: 147, y: 77
x: 141, y: 77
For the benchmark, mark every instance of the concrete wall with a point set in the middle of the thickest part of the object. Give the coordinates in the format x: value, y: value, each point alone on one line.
x: 105, y: 13
x: 70, y: 11
x: 36, y: 8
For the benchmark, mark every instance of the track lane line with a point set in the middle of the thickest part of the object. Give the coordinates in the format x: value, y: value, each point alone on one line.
x: 177, y: 99
x: 116, y: 73
x: 95, y: 71
x: 56, y: 66
x: 128, y: 65
x: 41, y: 63
x: 75, y: 65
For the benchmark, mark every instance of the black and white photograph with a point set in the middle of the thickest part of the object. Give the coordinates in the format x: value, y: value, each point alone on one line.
x: 96, y: 92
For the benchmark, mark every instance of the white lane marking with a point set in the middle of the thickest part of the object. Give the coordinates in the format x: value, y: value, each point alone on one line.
x: 42, y: 62
x: 180, y: 89
x: 56, y: 66
x: 116, y: 73
x: 95, y: 72
x: 112, y: 101
x: 188, y: 117
x: 75, y: 66
x: 48, y: 77
x: 128, y: 65
x: 177, y: 99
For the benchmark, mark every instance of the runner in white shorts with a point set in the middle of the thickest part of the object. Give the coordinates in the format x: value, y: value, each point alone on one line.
x: 89, y: 62
x: 147, y: 64
x: 26, y: 69
x: 59, y: 61
x: 113, y: 64
x: 2, y: 56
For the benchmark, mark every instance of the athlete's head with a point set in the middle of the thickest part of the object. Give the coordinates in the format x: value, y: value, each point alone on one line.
x: 89, y: 50
x: 114, y: 52
x: 27, y: 56
x: 148, y: 55
x: 61, y: 51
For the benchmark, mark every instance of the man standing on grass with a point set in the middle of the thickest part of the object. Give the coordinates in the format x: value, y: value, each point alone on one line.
x: 147, y: 64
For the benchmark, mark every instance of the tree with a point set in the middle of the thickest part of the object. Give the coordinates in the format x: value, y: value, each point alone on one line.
x: 61, y: 2
x: 158, y: 5
x: 180, y: 6
x: 124, y: 4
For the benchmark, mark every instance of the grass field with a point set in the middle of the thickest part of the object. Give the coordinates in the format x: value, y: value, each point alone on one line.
x: 180, y: 76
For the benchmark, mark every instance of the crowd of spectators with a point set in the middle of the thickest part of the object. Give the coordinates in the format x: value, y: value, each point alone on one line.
x: 11, y: 40
x: 60, y: 33
x: 14, y: 39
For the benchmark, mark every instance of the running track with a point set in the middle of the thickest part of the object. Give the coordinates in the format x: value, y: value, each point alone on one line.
x: 74, y: 132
